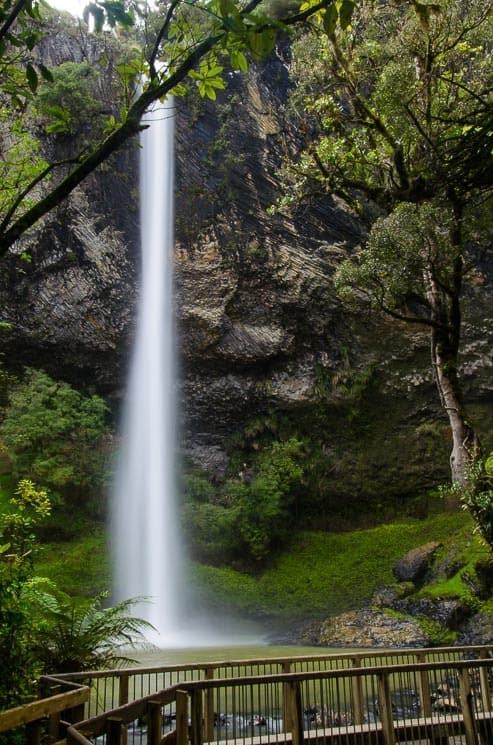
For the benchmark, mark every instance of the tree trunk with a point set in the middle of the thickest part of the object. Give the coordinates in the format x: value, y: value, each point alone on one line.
x: 446, y: 315
x: 465, y: 443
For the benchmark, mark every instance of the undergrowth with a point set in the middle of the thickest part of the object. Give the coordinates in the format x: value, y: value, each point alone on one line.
x: 318, y: 574
x: 325, y: 573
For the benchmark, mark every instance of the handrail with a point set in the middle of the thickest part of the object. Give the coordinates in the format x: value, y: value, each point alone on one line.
x: 347, y: 655
x: 293, y: 713
x: 35, y: 711
x: 145, y: 706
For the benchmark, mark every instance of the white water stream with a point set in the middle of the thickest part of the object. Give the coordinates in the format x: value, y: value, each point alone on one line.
x: 147, y: 553
x: 147, y: 547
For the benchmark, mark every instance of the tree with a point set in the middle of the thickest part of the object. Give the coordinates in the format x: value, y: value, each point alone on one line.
x: 261, y: 500
x: 18, y: 586
x: 57, y: 437
x: 192, y: 50
x: 41, y: 628
x: 400, y: 129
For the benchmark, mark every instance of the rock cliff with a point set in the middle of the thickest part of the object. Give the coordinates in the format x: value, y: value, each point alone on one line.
x: 261, y: 330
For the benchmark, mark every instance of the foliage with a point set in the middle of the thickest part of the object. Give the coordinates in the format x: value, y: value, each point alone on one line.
x: 68, y: 102
x: 20, y: 71
x: 210, y: 530
x: 18, y: 587
x: 476, y: 495
x: 198, y: 42
x: 79, y: 634
x: 42, y: 628
x: 392, y: 102
x: 251, y: 515
x: 56, y: 435
x: 262, y: 502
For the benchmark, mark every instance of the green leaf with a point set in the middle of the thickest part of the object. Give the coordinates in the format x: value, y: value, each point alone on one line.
x: 116, y: 13
x: 45, y: 73
x: 179, y: 90
x: 227, y: 7
x: 261, y: 44
x: 238, y: 61
x: 32, y: 78
x: 346, y: 13
x: 330, y: 20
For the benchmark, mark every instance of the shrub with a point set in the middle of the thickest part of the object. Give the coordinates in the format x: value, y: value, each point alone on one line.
x: 57, y: 437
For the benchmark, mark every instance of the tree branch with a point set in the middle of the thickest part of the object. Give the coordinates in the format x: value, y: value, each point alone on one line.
x: 132, y: 124
x: 12, y: 17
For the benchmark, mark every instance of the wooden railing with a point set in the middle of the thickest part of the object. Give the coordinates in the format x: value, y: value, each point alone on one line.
x: 62, y: 704
x: 113, y: 688
x: 468, y: 711
x: 378, y: 698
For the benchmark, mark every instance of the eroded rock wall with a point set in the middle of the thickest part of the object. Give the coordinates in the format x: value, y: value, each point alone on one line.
x: 259, y: 323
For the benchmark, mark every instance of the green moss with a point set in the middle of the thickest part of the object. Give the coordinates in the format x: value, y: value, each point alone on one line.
x: 437, y: 634
x: 325, y: 573
x: 79, y: 567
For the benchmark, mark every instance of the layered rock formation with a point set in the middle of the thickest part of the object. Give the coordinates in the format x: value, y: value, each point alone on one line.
x: 261, y: 329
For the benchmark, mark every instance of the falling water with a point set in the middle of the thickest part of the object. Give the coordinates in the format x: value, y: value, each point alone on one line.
x: 145, y: 531
x: 148, y: 560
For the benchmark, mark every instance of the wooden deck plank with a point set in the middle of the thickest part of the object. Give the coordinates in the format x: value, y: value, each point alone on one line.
x: 418, y: 727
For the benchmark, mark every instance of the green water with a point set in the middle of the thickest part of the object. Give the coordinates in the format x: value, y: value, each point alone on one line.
x: 158, y: 657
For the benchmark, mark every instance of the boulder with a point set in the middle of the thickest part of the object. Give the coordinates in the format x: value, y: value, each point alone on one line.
x: 368, y: 628
x: 478, y: 630
x: 448, y: 613
x: 413, y: 566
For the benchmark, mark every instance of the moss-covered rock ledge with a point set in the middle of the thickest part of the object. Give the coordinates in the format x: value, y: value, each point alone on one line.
x: 443, y: 596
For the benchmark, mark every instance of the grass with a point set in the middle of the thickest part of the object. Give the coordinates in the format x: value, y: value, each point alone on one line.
x: 326, y: 573
x: 79, y: 567
x: 319, y: 574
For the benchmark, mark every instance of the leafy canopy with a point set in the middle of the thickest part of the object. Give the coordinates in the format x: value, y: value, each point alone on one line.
x: 399, y: 105
x: 176, y: 45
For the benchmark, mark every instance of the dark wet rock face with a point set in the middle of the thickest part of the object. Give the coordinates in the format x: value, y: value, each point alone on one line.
x: 478, y: 630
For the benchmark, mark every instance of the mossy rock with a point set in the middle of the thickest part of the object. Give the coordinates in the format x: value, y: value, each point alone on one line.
x: 368, y: 628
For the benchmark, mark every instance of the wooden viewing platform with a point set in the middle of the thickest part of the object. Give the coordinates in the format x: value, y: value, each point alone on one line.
x: 432, y: 697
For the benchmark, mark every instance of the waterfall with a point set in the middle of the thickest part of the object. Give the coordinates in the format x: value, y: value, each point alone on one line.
x: 146, y: 544
x: 145, y: 534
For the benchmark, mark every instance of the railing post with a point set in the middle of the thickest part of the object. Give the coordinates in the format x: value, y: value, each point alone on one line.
x: 424, y: 687
x: 34, y: 732
x: 465, y: 695
x: 295, y: 712
x: 181, y: 718
x: 358, y: 698
x: 123, y: 689
x: 196, y: 728
x: 485, y: 683
x: 154, y: 723
x: 209, y: 707
x: 385, y: 706
x: 115, y: 730
x: 286, y: 668
x: 53, y: 728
